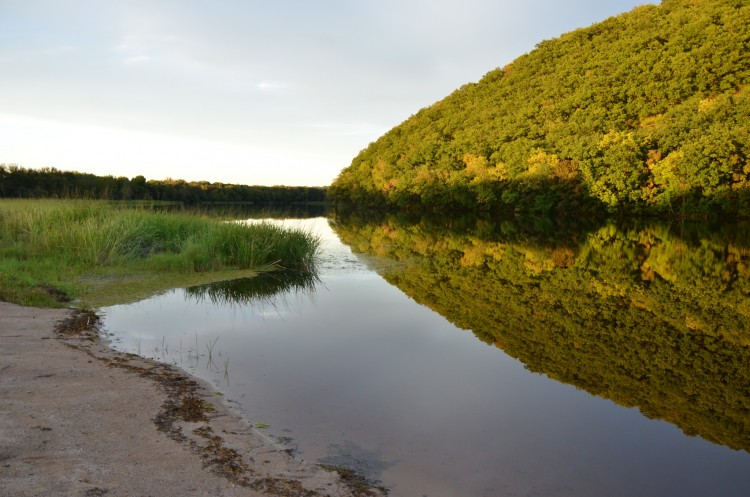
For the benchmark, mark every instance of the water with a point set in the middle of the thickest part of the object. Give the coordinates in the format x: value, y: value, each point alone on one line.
x: 478, y: 362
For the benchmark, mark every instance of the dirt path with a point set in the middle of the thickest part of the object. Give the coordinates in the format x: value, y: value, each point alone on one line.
x: 78, y: 419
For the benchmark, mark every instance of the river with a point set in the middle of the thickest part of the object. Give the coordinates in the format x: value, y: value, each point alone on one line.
x: 483, y: 358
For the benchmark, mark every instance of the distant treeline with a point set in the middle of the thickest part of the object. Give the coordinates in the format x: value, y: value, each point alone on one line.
x: 20, y: 182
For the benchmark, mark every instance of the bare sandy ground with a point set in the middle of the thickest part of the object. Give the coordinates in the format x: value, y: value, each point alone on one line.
x: 78, y: 419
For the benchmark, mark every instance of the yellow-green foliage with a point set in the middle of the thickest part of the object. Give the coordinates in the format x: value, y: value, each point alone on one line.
x: 646, y: 316
x: 46, y: 245
x: 644, y: 112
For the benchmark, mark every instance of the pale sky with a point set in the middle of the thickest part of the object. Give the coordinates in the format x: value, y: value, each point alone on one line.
x: 262, y: 92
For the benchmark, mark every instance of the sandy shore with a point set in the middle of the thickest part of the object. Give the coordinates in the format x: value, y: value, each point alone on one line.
x: 79, y: 419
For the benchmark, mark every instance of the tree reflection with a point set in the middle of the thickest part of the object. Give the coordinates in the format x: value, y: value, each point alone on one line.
x: 649, y: 316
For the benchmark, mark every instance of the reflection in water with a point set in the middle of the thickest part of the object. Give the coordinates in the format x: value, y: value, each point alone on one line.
x: 356, y: 373
x: 265, y: 288
x: 645, y: 316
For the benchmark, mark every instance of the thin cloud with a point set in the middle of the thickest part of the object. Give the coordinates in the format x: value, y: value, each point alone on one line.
x: 59, y: 49
x: 349, y: 129
x: 273, y: 85
x: 136, y: 59
x: 136, y: 43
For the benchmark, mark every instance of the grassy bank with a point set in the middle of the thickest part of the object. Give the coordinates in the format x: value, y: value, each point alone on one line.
x: 101, y: 253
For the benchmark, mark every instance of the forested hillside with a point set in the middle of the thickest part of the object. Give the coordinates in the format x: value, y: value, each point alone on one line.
x: 646, y: 112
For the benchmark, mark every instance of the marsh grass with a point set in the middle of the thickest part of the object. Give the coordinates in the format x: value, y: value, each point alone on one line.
x: 78, y: 247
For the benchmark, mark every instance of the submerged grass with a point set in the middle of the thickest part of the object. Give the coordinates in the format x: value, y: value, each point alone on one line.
x: 50, y: 249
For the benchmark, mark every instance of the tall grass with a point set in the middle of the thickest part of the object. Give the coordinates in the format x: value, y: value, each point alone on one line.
x: 48, y: 243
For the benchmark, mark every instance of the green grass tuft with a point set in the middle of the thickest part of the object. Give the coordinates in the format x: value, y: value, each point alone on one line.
x: 50, y: 249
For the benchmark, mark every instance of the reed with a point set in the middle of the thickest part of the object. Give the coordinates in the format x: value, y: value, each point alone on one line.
x: 48, y: 245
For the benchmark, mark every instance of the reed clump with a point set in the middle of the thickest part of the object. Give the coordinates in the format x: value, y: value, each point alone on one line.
x: 53, y: 243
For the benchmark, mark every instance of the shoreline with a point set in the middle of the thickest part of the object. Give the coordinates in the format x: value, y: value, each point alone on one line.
x: 79, y: 418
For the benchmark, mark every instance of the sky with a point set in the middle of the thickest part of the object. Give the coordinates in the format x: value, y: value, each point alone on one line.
x: 260, y: 92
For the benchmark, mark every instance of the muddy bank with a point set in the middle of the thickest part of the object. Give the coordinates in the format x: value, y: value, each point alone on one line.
x: 79, y: 419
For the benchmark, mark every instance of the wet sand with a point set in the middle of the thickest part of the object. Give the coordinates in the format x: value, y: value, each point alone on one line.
x: 79, y: 419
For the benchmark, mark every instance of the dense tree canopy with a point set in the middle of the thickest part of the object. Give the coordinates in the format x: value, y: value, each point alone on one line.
x: 19, y: 182
x: 644, y: 112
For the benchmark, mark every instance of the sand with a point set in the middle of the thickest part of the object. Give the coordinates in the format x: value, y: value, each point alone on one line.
x: 79, y: 419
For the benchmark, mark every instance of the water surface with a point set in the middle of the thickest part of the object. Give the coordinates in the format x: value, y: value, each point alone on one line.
x: 486, y: 359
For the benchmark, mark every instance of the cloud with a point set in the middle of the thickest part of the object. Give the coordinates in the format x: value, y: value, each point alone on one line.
x: 349, y: 128
x: 137, y: 42
x: 59, y: 49
x: 136, y: 59
x: 273, y: 85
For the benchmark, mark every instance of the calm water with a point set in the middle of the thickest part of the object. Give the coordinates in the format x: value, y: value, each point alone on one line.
x: 486, y: 360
